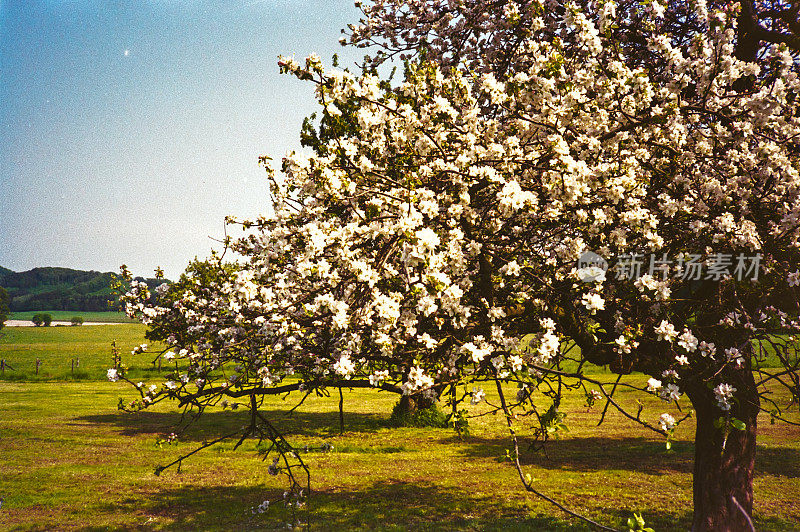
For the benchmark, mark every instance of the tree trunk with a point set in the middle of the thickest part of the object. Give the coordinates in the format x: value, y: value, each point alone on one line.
x: 410, y: 404
x: 724, y: 459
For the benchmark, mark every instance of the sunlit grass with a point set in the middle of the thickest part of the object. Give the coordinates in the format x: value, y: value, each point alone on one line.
x: 71, y: 460
x: 71, y: 353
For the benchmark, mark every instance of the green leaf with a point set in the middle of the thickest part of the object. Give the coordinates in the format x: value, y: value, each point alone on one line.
x: 738, y: 424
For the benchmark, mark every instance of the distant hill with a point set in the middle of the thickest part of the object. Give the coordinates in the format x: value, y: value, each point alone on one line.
x: 62, y: 289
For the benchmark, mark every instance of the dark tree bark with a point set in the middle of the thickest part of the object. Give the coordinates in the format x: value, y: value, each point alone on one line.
x: 724, y: 458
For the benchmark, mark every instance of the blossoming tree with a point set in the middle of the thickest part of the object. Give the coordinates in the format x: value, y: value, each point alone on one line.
x: 434, y: 237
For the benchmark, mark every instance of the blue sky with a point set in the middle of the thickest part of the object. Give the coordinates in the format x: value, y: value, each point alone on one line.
x: 129, y: 130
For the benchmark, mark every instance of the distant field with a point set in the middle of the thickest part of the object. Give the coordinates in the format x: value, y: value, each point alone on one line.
x: 66, y: 315
x: 57, y: 347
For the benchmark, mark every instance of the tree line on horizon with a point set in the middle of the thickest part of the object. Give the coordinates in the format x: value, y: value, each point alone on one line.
x: 53, y: 288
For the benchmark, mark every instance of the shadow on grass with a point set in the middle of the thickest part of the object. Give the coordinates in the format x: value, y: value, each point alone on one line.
x: 576, y: 454
x: 778, y: 461
x: 631, y: 454
x: 384, y: 505
x: 592, y: 454
x: 213, y: 425
x: 380, y: 506
x: 421, y: 505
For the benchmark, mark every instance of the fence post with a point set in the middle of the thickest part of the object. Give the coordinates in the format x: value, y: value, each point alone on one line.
x: 115, y: 354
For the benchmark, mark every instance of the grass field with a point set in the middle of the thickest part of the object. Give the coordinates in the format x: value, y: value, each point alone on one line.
x: 57, y: 347
x: 72, y: 461
x: 66, y: 315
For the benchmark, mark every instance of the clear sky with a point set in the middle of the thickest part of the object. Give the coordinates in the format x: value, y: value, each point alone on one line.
x: 130, y: 129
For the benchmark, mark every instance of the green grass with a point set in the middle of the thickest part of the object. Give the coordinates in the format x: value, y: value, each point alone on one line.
x: 66, y: 315
x: 72, y: 461
x: 766, y: 357
x: 57, y: 347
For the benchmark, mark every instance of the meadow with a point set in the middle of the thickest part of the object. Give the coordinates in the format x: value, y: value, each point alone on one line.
x: 71, y: 460
x: 67, y: 315
x: 57, y: 347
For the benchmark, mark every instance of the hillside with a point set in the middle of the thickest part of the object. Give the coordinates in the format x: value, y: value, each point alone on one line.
x: 61, y: 289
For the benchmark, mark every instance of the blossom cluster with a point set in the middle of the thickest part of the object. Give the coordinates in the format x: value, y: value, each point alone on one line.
x: 430, y: 237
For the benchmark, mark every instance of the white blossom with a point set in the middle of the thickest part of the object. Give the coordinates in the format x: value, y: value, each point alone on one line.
x: 666, y: 331
x: 724, y: 393
x: 666, y: 421
x: 593, y: 302
x: 688, y: 341
x: 478, y: 395
x: 670, y: 392
x: 344, y: 367
x: 653, y: 385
